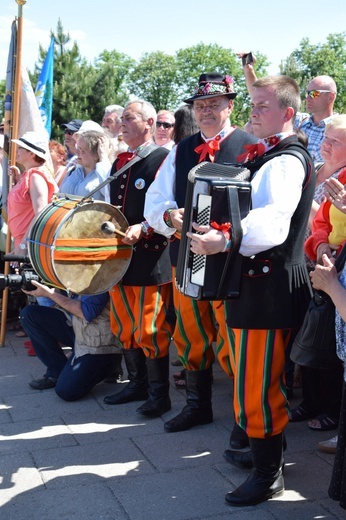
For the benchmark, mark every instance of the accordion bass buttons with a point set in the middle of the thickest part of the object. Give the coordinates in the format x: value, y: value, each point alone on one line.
x: 251, y: 272
x: 265, y: 269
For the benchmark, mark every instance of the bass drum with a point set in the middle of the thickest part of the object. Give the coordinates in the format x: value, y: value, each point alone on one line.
x: 69, y: 250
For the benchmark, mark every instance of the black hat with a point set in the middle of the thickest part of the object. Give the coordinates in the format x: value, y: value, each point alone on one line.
x: 213, y: 85
x: 73, y: 125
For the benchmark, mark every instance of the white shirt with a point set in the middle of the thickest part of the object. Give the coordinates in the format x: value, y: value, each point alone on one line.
x: 276, y: 191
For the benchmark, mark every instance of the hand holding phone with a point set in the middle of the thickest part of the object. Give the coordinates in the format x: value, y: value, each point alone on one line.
x: 248, y: 59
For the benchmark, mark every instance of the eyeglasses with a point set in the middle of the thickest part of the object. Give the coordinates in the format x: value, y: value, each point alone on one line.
x: 165, y: 125
x: 211, y: 106
x: 68, y: 132
x: 315, y: 93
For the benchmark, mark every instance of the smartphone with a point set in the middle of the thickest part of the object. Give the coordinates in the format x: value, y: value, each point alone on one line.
x: 247, y: 59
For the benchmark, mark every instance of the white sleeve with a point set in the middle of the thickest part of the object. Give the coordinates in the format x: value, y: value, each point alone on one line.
x: 161, y: 196
x: 276, y: 192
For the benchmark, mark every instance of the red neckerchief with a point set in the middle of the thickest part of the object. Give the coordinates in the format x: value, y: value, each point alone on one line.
x: 123, y: 158
x: 264, y: 145
x: 210, y: 148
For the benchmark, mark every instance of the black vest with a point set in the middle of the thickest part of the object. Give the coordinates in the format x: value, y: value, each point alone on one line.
x: 187, y: 158
x: 150, y: 264
x: 275, y: 286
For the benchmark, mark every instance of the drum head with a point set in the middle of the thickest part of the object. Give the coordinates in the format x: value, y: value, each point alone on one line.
x: 91, y: 276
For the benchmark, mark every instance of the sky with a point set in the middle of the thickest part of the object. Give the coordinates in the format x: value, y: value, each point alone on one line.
x: 134, y: 27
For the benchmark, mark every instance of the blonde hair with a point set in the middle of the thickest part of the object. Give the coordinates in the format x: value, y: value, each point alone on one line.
x: 337, y: 122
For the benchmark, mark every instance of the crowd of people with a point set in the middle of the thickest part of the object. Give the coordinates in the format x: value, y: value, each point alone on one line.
x: 290, y: 236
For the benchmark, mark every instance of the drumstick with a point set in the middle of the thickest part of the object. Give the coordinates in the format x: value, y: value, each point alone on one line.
x: 109, y: 228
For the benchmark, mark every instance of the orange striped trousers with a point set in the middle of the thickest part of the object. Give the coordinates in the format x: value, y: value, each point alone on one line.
x: 198, y: 324
x: 138, y: 317
x: 258, y: 364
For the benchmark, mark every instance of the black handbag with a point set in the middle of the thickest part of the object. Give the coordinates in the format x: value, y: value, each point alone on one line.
x: 315, y: 344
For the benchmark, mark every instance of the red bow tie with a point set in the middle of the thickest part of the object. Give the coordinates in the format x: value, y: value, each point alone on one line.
x: 252, y: 151
x: 124, y: 158
x: 211, y: 147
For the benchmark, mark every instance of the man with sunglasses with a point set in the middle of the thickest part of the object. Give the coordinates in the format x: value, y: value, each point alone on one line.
x: 164, y: 129
x: 319, y: 100
x: 320, y: 97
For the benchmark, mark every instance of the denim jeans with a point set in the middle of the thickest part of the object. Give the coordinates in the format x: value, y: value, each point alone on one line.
x: 46, y: 328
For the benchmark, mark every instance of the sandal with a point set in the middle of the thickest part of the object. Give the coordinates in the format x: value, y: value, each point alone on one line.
x: 300, y: 414
x: 180, y: 384
x: 323, y: 423
x: 179, y: 375
x: 21, y: 334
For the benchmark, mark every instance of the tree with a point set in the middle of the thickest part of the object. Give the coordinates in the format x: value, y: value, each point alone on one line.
x: 82, y: 90
x: 153, y: 79
x: 322, y: 59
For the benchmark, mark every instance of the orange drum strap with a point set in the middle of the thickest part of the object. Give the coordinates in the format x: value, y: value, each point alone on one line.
x: 97, y: 249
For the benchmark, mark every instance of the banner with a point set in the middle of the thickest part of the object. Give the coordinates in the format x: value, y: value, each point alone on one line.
x: 10, y: 71
x: 44, y: 89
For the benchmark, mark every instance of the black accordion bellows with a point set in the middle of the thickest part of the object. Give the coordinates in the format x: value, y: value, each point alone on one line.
x: 222, y: 194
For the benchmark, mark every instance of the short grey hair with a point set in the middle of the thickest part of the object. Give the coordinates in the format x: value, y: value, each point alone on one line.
x: 147, y: 111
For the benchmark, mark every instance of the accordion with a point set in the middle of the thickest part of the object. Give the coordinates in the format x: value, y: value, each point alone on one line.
x: 219, y: 193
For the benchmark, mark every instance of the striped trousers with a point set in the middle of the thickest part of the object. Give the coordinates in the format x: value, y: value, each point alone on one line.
x: 138, y: 318
x: 199, y: 324
x: 258, y: 364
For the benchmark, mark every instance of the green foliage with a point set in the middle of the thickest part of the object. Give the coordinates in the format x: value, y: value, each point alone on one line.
x: 82, y: 89
x: 153, y: 79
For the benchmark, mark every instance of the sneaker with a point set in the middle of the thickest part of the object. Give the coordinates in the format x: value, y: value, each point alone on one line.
x: 44, y: 383
x: 328, y: 446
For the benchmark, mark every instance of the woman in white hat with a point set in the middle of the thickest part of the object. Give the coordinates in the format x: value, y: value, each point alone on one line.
x: 34, y: 188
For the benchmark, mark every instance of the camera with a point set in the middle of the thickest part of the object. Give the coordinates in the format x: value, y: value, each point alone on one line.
x: 22, y: 280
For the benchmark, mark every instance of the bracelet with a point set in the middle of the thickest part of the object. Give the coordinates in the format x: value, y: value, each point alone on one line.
x: 147, y: 230
x: 167, y: 218
x: 228, y: 244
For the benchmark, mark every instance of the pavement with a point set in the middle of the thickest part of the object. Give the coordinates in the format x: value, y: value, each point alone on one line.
x: 85, y: 460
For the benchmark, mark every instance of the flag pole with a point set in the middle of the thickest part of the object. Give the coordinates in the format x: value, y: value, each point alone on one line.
x: 13, y: 151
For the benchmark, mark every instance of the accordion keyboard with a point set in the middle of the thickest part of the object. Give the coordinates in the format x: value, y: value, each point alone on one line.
x: 203, y: 219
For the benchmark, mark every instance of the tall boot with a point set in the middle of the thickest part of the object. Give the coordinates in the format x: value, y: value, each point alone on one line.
x: 158, y: 379
x: 198, y: 409
x: 239, y: 438
x: 116, y: 370
x: 266, y: 479
x: 243, y: 459
x: 137, y: 388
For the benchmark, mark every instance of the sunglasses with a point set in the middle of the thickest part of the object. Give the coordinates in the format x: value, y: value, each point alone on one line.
x: 315, y: 93
x: 165, y: 125
x: 68, y: 132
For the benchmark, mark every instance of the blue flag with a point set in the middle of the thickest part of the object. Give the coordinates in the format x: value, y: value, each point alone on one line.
x: 44, y: 89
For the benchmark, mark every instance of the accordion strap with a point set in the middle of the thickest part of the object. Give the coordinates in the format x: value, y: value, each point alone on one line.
x: 234, y: 212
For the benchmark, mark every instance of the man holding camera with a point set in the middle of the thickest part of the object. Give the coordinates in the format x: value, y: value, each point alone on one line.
x: 81, y: 323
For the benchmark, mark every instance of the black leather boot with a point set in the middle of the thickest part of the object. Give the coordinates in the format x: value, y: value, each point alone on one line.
x: 240, y: 459
x: 137, y: 388
x: 116, y: 370
x: 198, y: 396
x: 239, y: 438
x: 243, y: 459
x: 266, y: 479
x: 158, y: 379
